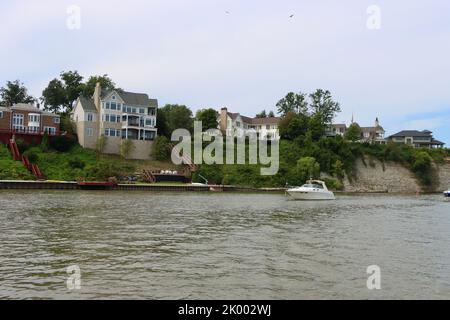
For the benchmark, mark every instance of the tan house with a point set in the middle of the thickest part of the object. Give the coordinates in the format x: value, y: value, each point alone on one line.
x: 117, y: 115
x: 234, y: 124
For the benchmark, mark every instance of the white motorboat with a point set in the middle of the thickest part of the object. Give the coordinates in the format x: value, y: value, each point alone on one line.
x: 447, y: 193
x: 312, y: 190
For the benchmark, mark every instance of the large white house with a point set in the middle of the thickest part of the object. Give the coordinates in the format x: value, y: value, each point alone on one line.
x: 118, y: 115
x: 234, y: 124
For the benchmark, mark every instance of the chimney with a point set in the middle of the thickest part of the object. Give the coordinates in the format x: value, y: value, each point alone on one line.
x: 223, y: 119
x: 96, y: 96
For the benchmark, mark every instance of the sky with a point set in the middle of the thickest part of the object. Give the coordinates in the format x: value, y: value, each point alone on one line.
x: 391, y: 62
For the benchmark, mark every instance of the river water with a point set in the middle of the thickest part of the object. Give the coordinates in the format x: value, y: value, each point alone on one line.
x: 138, y: 245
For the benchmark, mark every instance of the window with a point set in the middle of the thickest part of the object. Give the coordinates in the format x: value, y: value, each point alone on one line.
x: 90, y: 117
x: 50, y: 130
x: 142, y: 110
x: 113, y: 106
x: 18, y: 121
x: 149, y: 122
x: 56, y: 120
x: 112, y: 132
x: 112, y: 118
x: 1, y: 114
x: 152, y: 112
x: 89, y: 132
x: 108, y: 106
x: 33, y: 118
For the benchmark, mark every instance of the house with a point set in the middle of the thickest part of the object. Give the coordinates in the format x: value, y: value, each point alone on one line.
x: 27, y: 122
x: 336, y: 129
x: 417, y: 139
x: 234, y: 124
x: 118, y: 115
x: 373, y: 134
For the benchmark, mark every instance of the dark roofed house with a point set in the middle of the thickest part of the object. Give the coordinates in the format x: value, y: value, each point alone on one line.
x: 416, y: 139
x: 234, y: 124
x: 117, y: 115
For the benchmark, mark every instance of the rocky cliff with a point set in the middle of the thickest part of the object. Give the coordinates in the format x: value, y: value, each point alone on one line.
x: 374, y: 176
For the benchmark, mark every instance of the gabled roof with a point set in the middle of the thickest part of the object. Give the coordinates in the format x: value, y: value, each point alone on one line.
x: 255, y: 121
x: 32, y: 108
x: 87, y: 104
x: 412, y: 133
x: 134, y: 99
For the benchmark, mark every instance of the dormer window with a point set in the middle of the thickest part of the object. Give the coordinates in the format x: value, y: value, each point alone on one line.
x: 114, y: 97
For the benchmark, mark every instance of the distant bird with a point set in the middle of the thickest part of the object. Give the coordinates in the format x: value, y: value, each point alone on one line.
x: 291, y: 16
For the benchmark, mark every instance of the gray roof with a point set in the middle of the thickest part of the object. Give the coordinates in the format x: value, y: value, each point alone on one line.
x: 87, y: 104
x: 255, y: 121
x: 412, y: 133
x: 30, y: 108
x: 133, y: 99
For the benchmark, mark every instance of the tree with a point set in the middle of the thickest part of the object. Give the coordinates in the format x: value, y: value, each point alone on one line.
x: 208, y: 117
x: 307, y: 167
x: 322, y: 104
x: 54, y: 96
x: 100, y: 145
x: 293, y: 102
x: 175, y: 117
x: 105, y: 82
x: 262, y: 114
x: 293, y: 125
x: 126, y: 148
x: 161, y: 150
x: 316, y: 127
x: 353, y: 133
x: 338, y: 170
x: 15, y: 92
x: 271, y: 114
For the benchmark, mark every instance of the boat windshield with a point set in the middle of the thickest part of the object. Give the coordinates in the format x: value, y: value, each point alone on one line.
x: 315, y: 186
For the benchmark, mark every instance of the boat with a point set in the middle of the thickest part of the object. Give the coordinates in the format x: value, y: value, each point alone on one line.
x: 447, y: 193
x: 312, y: 190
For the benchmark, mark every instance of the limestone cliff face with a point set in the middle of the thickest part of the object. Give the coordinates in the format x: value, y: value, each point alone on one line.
x: 391, y: 177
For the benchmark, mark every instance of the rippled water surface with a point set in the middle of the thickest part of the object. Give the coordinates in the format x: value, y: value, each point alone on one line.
x: 221, y: 246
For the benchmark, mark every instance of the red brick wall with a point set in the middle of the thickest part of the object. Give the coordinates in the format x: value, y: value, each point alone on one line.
x: 5, y: 121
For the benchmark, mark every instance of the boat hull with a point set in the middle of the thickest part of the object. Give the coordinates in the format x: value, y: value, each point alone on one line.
x: 304, y: 195
x: 447, y: 194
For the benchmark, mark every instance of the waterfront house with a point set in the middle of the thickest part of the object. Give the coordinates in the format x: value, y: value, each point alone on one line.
x: 375, y: 134
x: 117, y: 115
x: 237, y: 125
x: 416, y: 139
x: 338, y: 129
x: 27, y: 122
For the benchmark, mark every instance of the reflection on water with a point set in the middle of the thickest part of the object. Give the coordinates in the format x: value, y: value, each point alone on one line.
x: 221, y: 246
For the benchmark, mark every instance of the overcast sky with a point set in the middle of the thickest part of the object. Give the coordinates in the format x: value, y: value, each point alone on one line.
x: 193, y: 52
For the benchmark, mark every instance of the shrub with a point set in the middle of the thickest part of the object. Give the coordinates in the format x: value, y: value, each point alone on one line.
x: 32, y: 155
x: 77, y: 163
x: 161, y: 150
x: 334, y: 184
x: 22, y: 145
x: 62, y: 143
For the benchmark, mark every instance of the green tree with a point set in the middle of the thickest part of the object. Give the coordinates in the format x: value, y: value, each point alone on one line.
x: 14, y: 92
x: 105, y: 82
x: 208, y: 117
x: 293, y: 125
x: 307, y: 167
x: 54, y: 96
x: 293, y: 102
x: 317, y: 127
x: 175, y: 117
x: 323, y: 105
x: 126, y: 148
x: 161, y: 150
x: 353, y: 133
x: 262, y: 114
x: 45, y: 143
x: 338, y: 170
x: 271, y: 114
x: 100, y: 145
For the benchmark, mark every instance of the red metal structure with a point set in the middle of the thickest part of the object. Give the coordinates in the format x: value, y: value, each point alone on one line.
x: 33, y: 168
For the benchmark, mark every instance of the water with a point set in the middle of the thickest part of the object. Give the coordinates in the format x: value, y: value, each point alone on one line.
x: 133, y: 245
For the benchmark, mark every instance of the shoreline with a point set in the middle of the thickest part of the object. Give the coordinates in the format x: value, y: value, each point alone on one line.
x: 71, y: 185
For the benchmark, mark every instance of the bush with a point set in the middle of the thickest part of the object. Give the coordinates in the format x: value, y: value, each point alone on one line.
x: 77, y: 163
x: 62, y: 143
x: 22, y: 145
x: 32, y: 155
x: 161, y: 149
x: 334, y: 184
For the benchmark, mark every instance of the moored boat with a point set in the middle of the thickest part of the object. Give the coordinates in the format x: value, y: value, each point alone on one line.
x: 447, y: 193
x: 312, y: 190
